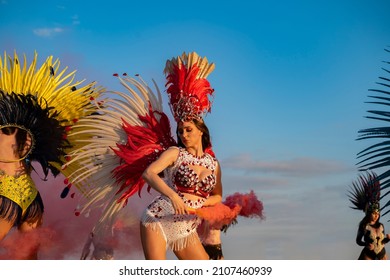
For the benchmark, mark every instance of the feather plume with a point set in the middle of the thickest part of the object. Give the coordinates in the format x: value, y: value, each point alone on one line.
x: 129, y: 133
x: 365, y: 192
x: 62, y: 100
x: 188, y: 89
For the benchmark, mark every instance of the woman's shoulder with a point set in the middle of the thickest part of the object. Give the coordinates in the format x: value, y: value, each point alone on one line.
x: 174, y: 148
x: 172, y: 151
x: 173, y: 156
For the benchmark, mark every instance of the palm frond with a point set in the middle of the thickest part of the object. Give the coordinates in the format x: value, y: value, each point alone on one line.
x: 377, y: 156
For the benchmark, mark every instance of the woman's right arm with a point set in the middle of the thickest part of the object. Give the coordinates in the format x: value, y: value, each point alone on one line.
x: 150, y: 175
x: 359, y: 237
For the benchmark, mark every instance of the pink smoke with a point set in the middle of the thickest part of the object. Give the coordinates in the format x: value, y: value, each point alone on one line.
x: 63, y: 233
x: 226, y: 213
x: 251, y: 206
x: 219, y: 214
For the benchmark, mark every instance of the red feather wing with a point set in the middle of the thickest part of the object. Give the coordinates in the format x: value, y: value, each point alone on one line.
x: 144, y: 145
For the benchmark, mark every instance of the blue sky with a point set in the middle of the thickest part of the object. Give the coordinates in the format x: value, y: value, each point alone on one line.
x: 291, y: 82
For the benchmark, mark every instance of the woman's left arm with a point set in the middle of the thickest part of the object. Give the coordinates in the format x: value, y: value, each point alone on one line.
x: 387, y: 236
x: 216, y: 195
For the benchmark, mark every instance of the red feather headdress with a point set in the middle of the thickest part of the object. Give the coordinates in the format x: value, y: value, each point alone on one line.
x: 188, y: 89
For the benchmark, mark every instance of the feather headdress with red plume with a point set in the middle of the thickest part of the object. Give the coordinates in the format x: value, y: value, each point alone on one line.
x: 188, y: 89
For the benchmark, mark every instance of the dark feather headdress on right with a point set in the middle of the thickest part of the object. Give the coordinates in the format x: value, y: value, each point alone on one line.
x: 365, y: 193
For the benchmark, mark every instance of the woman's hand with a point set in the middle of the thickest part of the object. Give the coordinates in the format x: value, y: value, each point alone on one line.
x: 178, y: 204
x: 386, y: 239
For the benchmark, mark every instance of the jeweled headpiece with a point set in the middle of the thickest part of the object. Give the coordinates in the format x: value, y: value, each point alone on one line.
x: 188, y: 89
x: 365, y: 193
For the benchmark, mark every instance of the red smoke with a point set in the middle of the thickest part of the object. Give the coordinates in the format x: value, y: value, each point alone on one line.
x: 237, y: 204
x: 63, y: 233
x: 251, y: 207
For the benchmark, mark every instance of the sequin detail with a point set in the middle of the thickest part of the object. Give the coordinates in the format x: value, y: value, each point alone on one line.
x: 177, y: 230
x: 19, y: 189
x: 376, y: 237
x: 187, y: 180
x: 180, y: 230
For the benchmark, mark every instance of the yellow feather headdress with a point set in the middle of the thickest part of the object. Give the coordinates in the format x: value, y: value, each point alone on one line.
x: 47, y: 101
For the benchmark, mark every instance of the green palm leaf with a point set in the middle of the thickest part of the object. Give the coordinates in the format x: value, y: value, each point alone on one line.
x: 377, y: 156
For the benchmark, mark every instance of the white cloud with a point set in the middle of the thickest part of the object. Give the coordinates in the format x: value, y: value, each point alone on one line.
x: 312, y: 224
x: 75, y: 20
x: 303, y: 166
x: 47, y: 32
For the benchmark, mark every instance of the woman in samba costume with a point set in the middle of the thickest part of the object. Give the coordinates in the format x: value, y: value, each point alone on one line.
x: 17, y: 192
x: 192, y: 176
x: 365, y: 195
x: 191, y: 187
x: 131, y: 142
x: 37, y: 110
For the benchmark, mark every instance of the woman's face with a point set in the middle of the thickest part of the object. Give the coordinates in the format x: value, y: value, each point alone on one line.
x: 189, y: 134
x: 374, y: 216
x: 8, y: 140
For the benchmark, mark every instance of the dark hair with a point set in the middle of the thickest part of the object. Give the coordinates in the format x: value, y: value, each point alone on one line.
x: 200, y: 124
x: 20, y: 136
